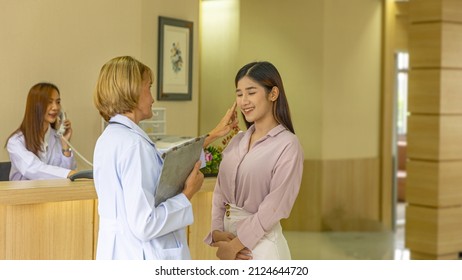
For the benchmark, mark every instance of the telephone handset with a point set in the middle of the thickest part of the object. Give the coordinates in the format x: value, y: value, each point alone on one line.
x: 61, y: 119
x: 60, y: 131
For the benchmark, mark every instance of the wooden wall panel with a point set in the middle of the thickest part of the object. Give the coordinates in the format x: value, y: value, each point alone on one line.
x: 433, y: 193
x: 434, y: 183
x: 2, y: 232
x: 61, y: 231
x: 338, y: 195
x: 422, y: 256
x: 434, y: 137
x: 96, y: 228
x: 436, y: 10
x: 451, y: 10
x: 202, y: 207
x: 435, y: 91
x: 435, y: 45
x: 350, y: 195
x: 425, y: 45
x: 47, y: 219
x: 424, y: 91
x: 452, y: 44
x: 425, y: 10
x: 434, y: 231
x: 306, y: 213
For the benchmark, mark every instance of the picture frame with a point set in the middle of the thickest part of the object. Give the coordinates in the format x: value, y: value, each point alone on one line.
x: 174, y: 68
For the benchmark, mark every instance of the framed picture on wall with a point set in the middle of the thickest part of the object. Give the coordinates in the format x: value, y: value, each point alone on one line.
x: 174, y: 69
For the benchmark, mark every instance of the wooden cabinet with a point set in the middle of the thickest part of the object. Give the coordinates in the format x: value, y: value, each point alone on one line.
x: 157, y: 124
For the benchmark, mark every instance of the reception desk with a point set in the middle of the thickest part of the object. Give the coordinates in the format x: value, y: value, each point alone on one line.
x: 48, y: 220
x: 58, y: 220
x: 202, y: 207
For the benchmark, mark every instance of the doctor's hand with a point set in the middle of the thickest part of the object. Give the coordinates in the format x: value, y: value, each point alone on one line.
x: 194, y: 181
x: 227, y: 123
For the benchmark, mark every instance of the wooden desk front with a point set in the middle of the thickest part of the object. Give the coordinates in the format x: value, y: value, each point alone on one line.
x: 58, y: 220
x: 47, y: 219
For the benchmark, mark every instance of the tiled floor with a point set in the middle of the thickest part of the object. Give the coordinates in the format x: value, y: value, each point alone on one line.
x: 350, y: 245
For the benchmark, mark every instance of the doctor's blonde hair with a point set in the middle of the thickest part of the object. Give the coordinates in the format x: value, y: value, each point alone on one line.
x: 119, y: 86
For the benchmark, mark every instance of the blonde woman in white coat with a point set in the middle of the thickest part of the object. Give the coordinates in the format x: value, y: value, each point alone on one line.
x: 127, y: 167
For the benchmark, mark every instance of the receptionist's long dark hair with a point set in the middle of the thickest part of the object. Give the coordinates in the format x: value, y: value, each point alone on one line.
x: 34, y: 116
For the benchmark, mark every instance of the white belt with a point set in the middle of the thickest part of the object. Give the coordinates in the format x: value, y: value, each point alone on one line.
x: 233, y: 211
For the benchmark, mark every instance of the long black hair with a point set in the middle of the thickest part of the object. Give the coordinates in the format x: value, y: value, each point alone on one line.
x: 265, y: 74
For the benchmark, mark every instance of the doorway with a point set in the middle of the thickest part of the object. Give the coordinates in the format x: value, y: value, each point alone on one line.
x: 400, y: 137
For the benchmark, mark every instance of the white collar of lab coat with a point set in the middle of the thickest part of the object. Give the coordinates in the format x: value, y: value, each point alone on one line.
x: 46, y: 139
x: 121, y: 119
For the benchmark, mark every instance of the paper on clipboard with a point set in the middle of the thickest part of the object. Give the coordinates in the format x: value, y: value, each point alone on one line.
x: 179, y: 161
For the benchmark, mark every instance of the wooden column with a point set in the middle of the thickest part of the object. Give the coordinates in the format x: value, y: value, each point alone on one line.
x: 434, y: 184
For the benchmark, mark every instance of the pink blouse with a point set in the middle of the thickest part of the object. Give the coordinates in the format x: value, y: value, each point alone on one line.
x: 264, y: 180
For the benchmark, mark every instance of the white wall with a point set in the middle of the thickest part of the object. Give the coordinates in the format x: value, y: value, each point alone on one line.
x: 67, y: 42
x: 351, y: 79
x: 328, y: 54
x: 182, y: 116
x: 219, y: 54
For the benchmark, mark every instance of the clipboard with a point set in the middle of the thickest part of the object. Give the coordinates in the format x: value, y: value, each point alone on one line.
x: 179, y: 161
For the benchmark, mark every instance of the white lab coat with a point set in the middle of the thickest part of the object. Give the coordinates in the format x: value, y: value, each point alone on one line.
x: 127, y: 168
x: 50, y: 164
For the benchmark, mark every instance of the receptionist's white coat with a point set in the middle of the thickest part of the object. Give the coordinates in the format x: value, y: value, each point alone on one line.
x: 50, y: 164
x: 127, y: 168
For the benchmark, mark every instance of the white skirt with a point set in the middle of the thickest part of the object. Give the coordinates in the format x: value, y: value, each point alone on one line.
x: 272, y: 246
